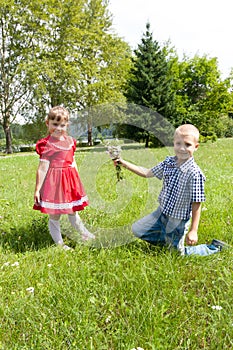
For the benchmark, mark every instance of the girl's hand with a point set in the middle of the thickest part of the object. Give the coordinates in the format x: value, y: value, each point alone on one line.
x: 37, y: 197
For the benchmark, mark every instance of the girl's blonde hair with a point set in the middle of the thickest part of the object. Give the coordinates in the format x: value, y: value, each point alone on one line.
x: 188, y: 130
x: 57, y: 113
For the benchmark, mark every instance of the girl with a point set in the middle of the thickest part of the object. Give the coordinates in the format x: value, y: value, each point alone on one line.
x: 58, y: 187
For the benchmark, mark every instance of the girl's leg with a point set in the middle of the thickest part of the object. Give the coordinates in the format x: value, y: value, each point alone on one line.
x: 55, y: 232
x: 77, y: 223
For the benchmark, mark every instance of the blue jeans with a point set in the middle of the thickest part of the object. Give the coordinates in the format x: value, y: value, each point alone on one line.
x: 158, y: 228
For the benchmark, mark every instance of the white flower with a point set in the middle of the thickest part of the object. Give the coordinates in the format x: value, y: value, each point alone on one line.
x: 217, y: 307
x: 30, y: 290
x: 49, y: 265
x: 5, y: 264
x: 114, y: 151
x: 108, y: 319
x: 15, y: 264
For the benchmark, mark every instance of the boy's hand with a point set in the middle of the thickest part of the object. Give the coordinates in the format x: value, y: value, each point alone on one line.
x: 192, y: 237
x: 117, y: 161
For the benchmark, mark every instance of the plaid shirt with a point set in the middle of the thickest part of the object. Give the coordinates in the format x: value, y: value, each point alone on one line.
x: 182, y: 185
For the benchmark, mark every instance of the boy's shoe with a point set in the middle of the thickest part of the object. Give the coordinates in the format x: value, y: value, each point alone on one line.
x: 219, y: 244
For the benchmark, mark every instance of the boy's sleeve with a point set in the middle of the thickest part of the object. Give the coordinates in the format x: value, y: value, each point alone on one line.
x: 158, y: 170
x: 198, y: 191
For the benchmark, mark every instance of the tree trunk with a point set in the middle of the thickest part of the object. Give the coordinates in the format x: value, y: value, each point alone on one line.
x: 7, y: 132
x: 147, y: 140
x: 89, y: 134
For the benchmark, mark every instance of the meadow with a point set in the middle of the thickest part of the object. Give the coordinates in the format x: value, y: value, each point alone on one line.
x: 118, y: 293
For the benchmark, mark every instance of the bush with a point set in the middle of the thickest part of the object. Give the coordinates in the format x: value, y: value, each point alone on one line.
x: 27, y: 148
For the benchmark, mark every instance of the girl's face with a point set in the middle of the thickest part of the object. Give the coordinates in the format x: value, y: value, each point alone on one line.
x: 184, y: 147
x: 57, y: 128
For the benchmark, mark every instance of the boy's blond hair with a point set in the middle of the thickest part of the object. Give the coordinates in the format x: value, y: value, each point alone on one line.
x: 57, y: 113
x: 187, y: 130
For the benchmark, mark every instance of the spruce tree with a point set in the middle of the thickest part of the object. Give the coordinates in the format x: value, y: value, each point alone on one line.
x: 150, y: 82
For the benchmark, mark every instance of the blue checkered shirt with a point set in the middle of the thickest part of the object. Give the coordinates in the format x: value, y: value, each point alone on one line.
x: 182, y: 185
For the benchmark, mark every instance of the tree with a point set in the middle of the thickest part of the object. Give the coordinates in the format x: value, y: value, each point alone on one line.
x: 58, y: 52
x: 15, y: 48
x: 92, y: 63
x: 204, y: 97
x: 150, y: 82
x: 105, y: 62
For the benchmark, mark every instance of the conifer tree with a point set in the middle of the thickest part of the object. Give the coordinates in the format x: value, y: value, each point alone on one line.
x: 150, y: 82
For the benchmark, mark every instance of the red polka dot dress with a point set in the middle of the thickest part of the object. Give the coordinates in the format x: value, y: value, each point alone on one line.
x: 62, y: 191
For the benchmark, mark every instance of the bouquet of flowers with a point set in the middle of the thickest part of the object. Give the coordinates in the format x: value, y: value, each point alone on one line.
x: 114, y: 152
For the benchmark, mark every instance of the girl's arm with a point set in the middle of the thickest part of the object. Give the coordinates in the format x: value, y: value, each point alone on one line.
x: 40, y: 176
x: 192, y: 237
x: 144, y: 172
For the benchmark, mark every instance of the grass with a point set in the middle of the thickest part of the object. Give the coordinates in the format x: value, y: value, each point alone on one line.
x: 114, y: 295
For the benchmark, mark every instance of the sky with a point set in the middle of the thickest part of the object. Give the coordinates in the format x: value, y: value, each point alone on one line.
x: 202, y: 27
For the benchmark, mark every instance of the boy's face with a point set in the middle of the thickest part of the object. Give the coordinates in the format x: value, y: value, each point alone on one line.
x: 57, y: 128
x: 184, y: 147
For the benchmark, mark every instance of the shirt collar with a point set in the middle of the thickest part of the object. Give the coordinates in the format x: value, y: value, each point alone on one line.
x: 187, y: 165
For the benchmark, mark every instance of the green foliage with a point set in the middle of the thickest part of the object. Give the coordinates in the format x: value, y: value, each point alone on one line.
x: 58, y: 52
x: 80, y: 63
x: 114, y: 298
x: 150, y: 84
x: 202, y: 98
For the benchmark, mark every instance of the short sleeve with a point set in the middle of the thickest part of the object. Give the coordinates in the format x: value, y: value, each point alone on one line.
x: 74, y: 145
x: 198, y: 192
x: 158, y: 170
x: 42, y: 149
x: 40, y: 146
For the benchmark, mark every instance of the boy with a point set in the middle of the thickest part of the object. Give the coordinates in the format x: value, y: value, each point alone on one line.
x: 179, y: 200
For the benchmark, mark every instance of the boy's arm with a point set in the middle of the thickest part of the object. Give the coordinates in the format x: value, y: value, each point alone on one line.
x: 192, y: 237
x: 40, y: 176
x: 144, y: 172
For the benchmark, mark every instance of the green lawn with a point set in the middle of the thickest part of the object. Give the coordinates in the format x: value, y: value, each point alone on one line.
x: 120, y: 293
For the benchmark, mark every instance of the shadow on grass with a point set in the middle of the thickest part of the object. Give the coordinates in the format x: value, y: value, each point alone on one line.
x: 27, y: 238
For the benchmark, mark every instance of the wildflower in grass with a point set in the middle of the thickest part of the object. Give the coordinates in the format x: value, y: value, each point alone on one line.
x: 114, y: 151
x: 217, y: 307
x: 5, y: 264
x: 138, y: 348
x: 30, y: 290
x: 15, y: 264
x: 49, y: 265
x: 108, y: 319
